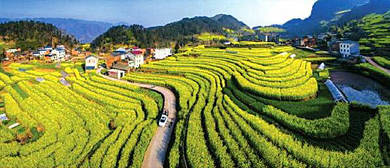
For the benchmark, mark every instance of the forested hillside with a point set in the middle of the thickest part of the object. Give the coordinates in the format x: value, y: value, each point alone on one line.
x: 32, y: 35
x: 372, y: 32
x: 323, y: 11
x: 165, y: 35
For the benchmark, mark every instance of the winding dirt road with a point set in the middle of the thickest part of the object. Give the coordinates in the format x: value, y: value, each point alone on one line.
x: 158, y: 146
x: 372, y: 62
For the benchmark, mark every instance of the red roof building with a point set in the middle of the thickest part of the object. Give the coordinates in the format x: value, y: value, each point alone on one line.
x: 137, y: 52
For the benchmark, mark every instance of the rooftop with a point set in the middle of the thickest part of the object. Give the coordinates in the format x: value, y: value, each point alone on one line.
x: 121, y: 66
x: 137, y: 52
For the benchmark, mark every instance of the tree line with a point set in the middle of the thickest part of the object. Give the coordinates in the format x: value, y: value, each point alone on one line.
x: 30, y: 35
x: 178, y: 32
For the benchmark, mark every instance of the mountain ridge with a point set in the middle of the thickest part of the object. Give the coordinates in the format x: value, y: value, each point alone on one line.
x: 322, y: 11
x: 165, y: 35
x: 84, y: 30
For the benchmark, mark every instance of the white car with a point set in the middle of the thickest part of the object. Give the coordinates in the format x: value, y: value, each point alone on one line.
x: 163, y: 121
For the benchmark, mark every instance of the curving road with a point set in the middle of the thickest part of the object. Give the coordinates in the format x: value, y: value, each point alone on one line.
x: 158, y: 146
x: 372, y: 62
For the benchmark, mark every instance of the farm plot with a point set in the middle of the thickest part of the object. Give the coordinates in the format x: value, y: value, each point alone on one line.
x: 93, y: 123
x: 225, y: 121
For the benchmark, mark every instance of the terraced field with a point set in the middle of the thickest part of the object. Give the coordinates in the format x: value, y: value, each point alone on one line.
x: 238, y: 107
x: 228, y: 117
x: 93, y: 123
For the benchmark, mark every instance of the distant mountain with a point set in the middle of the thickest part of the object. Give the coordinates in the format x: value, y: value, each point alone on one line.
x: 230, y: 22
x: 2, y: 20
x: 32, y: 34
x: 84, y: 31
x: 374, y: 6
x: 164, y: 35
x: 322, y: 13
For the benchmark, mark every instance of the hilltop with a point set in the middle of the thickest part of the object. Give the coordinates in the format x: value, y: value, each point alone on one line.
x: 326, y: 13
x: 31, y: 35
x: 85, y: 31
x: 165, y: 35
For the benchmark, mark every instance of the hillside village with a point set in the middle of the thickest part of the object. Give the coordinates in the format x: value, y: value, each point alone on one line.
x: 119, y: 62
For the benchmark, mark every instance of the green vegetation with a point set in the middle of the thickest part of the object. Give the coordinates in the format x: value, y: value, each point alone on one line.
x: 253, y: 44
x: 32, y: 35
x: 383, y: 61
x: 302, y: 53
x: 93, y: 123
x: 237, y: 107
x: 210, y: 37
x: 183, y: 32
x: 320, y: 59
x: 251, y: 108
x: 271, y: 30
x: 372, y: 33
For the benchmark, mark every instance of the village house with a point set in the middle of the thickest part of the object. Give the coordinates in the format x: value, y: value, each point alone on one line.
x: 135, y: 49
x: 12, y: 50
x: 91, y: 62
x: 162, y: 53
x: 309, y: 41
x: 122, y: 66
x: 121, y: 52
x: 48, y: 48
x: 42, y: 52
x: 75, y: 52
x: 349, y: 48
x: 58, y: 55
x: 115, y: 73
x: 61, y: 47
x: 322, y: 37
x: 137, y: 57
x: 110, y: 61
x: 334, y: 46
x: 36, y: 54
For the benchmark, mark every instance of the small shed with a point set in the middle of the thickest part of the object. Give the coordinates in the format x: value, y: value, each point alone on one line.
x: 64, y: 82
x: 322, y: 66
x: 293, y: 56
x: 115, y: 73
x: 3, y: 117
x: 40, y: 79
x: 122, y: 66
x: 64, y: 74
x: 13, y: 125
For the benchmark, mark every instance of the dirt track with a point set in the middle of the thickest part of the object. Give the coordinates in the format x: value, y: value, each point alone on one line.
x: 158, y: 146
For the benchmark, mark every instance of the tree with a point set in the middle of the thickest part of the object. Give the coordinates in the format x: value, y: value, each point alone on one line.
x: 177, y: 47
x: 2, y: 55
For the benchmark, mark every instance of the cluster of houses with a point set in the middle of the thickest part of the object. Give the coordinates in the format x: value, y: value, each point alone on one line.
x: 306, y: 41
x: 341, y: 47
x: 48, y: 53
x: 51, y: 54
x: 124, y: 60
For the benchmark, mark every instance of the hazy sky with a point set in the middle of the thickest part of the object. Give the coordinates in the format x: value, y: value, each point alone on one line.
x: 158, y: 12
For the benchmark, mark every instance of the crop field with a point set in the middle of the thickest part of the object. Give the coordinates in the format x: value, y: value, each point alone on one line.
x: 260, y: 108
x: 210, y: 37
x: 239, y: 107
x: 93, y: 123
x: 383, y: 61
